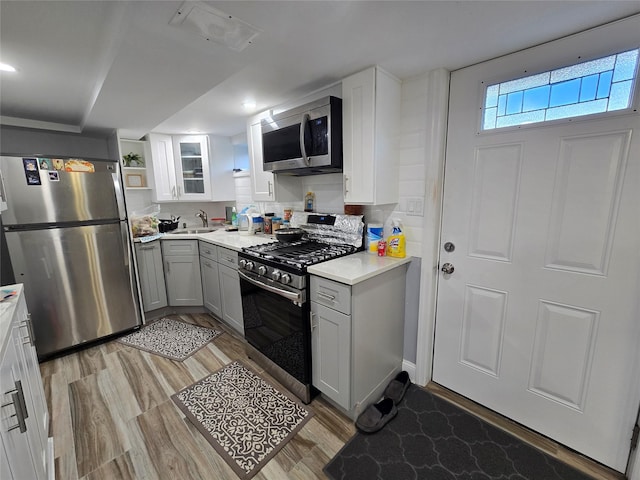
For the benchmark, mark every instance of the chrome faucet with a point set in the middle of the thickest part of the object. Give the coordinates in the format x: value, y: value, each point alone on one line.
x: 202, y: 215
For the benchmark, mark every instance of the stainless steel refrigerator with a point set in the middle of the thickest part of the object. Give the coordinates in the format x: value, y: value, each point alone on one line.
x: 67, y: 233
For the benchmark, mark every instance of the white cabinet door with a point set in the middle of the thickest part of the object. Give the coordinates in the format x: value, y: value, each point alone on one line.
x: 371, y: 117
x: 25, y: 338
x: 261, y: 181
x: 151, y: 275
x: 221, y: 164
x: 331, y: 353
x: 164, y: 173
x: 22, y: 462
x: 191, y: 155
x: 211, y: 286
x: 231, y: 299
x: 184, y: 283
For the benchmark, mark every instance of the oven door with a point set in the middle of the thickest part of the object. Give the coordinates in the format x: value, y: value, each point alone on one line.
x: 276, y: 323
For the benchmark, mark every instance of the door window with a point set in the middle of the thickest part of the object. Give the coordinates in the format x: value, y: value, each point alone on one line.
x: 598, y: 86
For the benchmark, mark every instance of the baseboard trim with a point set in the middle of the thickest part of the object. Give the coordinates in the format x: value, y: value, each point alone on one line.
x: 410, y: 368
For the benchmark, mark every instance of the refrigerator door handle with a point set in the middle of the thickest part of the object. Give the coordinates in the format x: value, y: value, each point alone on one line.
x: 117, y: 187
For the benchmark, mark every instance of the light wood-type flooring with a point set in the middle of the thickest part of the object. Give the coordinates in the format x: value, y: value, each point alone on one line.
x: 112, y: 418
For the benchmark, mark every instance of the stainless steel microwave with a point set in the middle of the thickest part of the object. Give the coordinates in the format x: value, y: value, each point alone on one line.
x: 306, y: 140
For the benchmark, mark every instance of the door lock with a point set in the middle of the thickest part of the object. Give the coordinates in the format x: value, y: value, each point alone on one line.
x: 449, y: 247
x: 447, y: 268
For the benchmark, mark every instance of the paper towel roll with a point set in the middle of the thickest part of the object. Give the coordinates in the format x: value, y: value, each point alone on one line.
x: 375, y: 232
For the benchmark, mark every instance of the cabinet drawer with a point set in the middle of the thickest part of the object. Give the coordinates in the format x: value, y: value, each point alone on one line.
x: 208, y: 250
x: 332, y: 294
x: 180, y: 247
x: 228, y: 257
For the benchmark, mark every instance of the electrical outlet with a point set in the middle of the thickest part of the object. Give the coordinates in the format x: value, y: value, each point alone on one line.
x: 415, y: 206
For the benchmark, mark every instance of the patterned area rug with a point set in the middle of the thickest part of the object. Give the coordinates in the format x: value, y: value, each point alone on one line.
x: 170, y: 338
x: 435, y: 440
x: 242, y: 416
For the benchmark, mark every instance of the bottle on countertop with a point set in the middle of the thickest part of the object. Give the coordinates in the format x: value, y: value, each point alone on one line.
x: 234, y: 217
x: 309, y: 201
x: 397, y: 243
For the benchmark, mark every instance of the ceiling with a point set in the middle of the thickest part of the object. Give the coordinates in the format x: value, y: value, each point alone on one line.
x: 87, y: 66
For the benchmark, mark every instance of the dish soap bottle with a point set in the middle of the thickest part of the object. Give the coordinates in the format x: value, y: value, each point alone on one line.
x: 309, y: 200
x: 396, y: 243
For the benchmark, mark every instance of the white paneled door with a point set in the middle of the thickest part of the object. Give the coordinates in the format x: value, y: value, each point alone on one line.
x: 540, y: 317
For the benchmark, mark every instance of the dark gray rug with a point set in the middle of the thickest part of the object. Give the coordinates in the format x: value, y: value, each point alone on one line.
x: 170, y: 338
x: 433, y: 439
x: 244, y: 417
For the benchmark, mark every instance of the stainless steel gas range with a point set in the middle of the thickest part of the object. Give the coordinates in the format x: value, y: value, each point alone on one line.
x: 275, y: 297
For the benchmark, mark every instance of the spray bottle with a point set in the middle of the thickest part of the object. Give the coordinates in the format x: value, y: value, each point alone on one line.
x: 396, y: 243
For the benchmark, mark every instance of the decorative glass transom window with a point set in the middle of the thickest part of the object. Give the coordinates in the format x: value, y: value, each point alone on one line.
x: 597, y: 86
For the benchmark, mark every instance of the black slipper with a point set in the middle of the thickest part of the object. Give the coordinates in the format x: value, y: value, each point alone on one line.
x: 397, y: 387
x: 376, y: 416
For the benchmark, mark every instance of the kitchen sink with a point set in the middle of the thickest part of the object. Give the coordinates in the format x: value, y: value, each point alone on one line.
x: 192, y: 231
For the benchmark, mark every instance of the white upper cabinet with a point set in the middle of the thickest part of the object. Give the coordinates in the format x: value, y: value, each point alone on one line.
x: 371, y: 119
x: 183, y: 170
x: 265, y: 186
x: 191, y: 155
x: 164, y: 171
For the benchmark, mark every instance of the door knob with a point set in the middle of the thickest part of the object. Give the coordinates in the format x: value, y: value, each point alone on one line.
x: 447, y: 268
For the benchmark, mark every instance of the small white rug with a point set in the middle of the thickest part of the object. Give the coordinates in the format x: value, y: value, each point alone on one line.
x: 169, y: 338
x: 245, y: 418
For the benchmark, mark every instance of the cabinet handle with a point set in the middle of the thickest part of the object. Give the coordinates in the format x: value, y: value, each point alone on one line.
x: 346, y: 190
x: 207, y: 264
x: 269, y: 187
x: 173, y: 192
x: 29, y: 339
x: 179, y: 191
x: 168, y: 267
x: 311, y: 315
x: 32, y: 334
x: 147, y: 248
x: 326, y: 296
x: 22, y: 425
x: 20, y: 407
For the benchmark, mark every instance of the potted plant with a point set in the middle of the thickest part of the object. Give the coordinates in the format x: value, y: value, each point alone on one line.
x: 132, y: 160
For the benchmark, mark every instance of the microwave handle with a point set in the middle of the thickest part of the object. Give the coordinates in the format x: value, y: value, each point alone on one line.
x: 303, y: 127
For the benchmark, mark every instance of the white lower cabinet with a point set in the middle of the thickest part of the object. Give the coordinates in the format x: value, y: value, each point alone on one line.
x: 331, y: 353
x: 209, y: 271
x: 357, y: 337
x: 23, y: 412
x: 151, y: 275
x: 221, y: 284
x: 182, y: 272
x: 231, y: 299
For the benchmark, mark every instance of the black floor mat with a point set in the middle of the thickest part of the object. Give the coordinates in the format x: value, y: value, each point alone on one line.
x: 432, y: 439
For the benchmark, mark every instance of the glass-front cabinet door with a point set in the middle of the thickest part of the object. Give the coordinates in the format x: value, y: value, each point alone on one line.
x: 192, y: 167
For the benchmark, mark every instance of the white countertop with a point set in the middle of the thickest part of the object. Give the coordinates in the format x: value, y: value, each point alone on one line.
x: 350, y: 270
x: 233, y: 240
x: 356, y: 268
x: 7, y: 308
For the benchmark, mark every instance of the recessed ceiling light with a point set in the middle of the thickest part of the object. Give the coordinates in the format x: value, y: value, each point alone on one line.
x: 4, y: 67
x: 249, y: 105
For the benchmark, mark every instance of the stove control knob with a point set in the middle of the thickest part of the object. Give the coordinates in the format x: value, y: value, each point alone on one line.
x: 242, y: 263
x: 286, y: 278
x: 249, y: 266
x: 275, y: 275
x: 262, y: 270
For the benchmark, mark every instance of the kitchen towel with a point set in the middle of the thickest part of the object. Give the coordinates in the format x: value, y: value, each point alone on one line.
x: 244, y: 417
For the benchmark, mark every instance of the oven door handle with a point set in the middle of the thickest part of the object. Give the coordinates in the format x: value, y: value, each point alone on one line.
x: 294, y: 296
